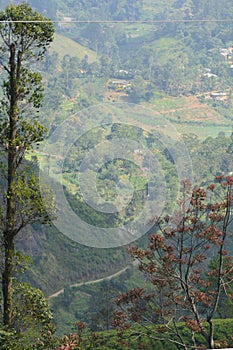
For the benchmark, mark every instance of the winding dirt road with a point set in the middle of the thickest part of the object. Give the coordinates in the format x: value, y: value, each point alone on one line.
x: 54, y: 295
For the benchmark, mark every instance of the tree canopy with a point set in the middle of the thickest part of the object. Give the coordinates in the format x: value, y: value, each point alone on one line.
x: 25, y: 35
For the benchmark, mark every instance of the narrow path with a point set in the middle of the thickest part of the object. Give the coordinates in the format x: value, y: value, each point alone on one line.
x: 54, y: 295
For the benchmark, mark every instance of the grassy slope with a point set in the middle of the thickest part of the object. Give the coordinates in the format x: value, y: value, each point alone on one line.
x: 66, y: 46
x: 189, y: 115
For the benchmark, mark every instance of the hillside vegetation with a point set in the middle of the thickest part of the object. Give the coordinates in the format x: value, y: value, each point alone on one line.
x: 162, y: 56
x: 166, y: 65
x: 65, y: 46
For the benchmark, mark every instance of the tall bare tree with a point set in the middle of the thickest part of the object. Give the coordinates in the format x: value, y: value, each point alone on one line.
x: 189, y: 268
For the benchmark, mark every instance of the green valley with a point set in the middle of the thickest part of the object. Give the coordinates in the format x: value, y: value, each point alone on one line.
x: 137, y: 94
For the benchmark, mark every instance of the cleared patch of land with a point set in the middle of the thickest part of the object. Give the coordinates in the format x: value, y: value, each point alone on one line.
x: 66, y: 46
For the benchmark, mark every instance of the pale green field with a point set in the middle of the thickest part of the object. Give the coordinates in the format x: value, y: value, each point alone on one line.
x: 66, y: 46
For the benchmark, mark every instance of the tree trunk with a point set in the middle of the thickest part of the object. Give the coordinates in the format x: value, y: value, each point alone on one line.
x: 7, y: 277
x: 211, y: 335
x: 8, y: 234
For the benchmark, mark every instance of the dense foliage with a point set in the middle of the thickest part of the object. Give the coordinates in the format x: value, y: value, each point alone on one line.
x: 23, y: 308
x: 166, y: 66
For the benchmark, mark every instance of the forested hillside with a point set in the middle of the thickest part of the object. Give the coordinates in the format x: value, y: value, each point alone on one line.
x: 188, y: 58
x: 157, y: 64
x: 175, y: 60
